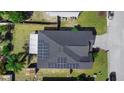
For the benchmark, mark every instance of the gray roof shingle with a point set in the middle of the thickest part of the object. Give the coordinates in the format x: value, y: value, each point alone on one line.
x: 66, y: 49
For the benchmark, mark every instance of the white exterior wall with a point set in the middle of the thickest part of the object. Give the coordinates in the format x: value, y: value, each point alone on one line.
x: 33, y: 43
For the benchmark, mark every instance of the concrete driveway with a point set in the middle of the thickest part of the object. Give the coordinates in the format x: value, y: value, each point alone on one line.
x: 102, y: 41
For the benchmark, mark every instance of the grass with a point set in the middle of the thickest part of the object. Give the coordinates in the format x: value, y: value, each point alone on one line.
x: 69, y: 23
x: 21, y: 35
x: 37, y: 16
x: 100, y: 64
x: 89, y: 19
x: 42, y: 17
x: 93, y: 19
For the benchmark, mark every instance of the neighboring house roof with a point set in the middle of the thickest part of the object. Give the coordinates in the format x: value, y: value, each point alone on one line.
x: 33, y: 43
x: 65, y: 49
x: 64, y: 14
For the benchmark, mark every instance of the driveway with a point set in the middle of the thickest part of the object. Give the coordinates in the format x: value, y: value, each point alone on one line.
x: 102, y: 41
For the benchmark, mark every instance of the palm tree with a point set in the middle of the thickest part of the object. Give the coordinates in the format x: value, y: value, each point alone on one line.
x: 5, y: 51
x: 13, y: 63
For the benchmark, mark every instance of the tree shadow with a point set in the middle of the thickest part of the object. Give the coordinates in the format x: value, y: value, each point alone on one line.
x: 9, y: 36
x: 34, y: 65
x: 59, y: 79
x: 10, y: 46
x: 78, y: 27
x: 11, y: 73
x: 84, y: 77
x: 28, y: 14
x: 30, y: 57
x: 95, y: 52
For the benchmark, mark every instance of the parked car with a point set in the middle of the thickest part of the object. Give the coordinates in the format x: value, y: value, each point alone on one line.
x: 110, y: 15
x: 113, y: 76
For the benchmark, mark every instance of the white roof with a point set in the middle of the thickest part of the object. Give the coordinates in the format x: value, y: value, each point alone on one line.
x: 33, y: 43
x: 64, y: 14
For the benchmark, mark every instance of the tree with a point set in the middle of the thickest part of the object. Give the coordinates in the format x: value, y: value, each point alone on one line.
x: 5, y: 51
x: 3, y: 28
x: 15, y: 16
x: 13, y: 63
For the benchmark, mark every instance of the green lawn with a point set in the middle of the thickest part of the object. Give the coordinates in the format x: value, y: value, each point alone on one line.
x: 68, y: 23
x: 93, y: 19
x: 21, y: 35
x: 100, y: 64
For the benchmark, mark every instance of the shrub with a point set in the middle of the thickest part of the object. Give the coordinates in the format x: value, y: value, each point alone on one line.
x: 3, y: 28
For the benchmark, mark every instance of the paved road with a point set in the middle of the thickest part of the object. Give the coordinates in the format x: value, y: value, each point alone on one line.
x: 113, y: 41
x: 116, y: 45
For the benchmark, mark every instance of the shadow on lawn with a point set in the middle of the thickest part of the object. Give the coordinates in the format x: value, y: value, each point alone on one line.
x: 70, y: 28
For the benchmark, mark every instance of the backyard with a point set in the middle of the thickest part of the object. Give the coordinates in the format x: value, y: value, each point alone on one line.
x: 22, y: 33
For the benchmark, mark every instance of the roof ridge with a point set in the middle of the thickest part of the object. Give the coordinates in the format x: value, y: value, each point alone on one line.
x: 51, y: 39
x: 72, y: 52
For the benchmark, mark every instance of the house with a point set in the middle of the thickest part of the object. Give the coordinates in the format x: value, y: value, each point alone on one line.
x: 64, y: 14
x: 65, y: 49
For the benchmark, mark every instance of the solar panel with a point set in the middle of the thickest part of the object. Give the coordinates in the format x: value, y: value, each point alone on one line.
x: 64, y: 66
x: 77, y: 65
x: 67, y: 65
x: 43, y: 50
x: 51, y: 65
x: 61, y: 59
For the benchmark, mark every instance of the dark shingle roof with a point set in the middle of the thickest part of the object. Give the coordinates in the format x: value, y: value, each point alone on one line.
x: 65, y: 49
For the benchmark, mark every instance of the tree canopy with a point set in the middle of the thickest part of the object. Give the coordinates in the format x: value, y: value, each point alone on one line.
x: 3, y: 28
x: 14, y: 16
x: 13, y: 63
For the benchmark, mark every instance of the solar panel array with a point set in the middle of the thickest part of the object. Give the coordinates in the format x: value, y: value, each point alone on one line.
x: 66, y: 65
x: 43, y: 49
x: 61, y: 60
